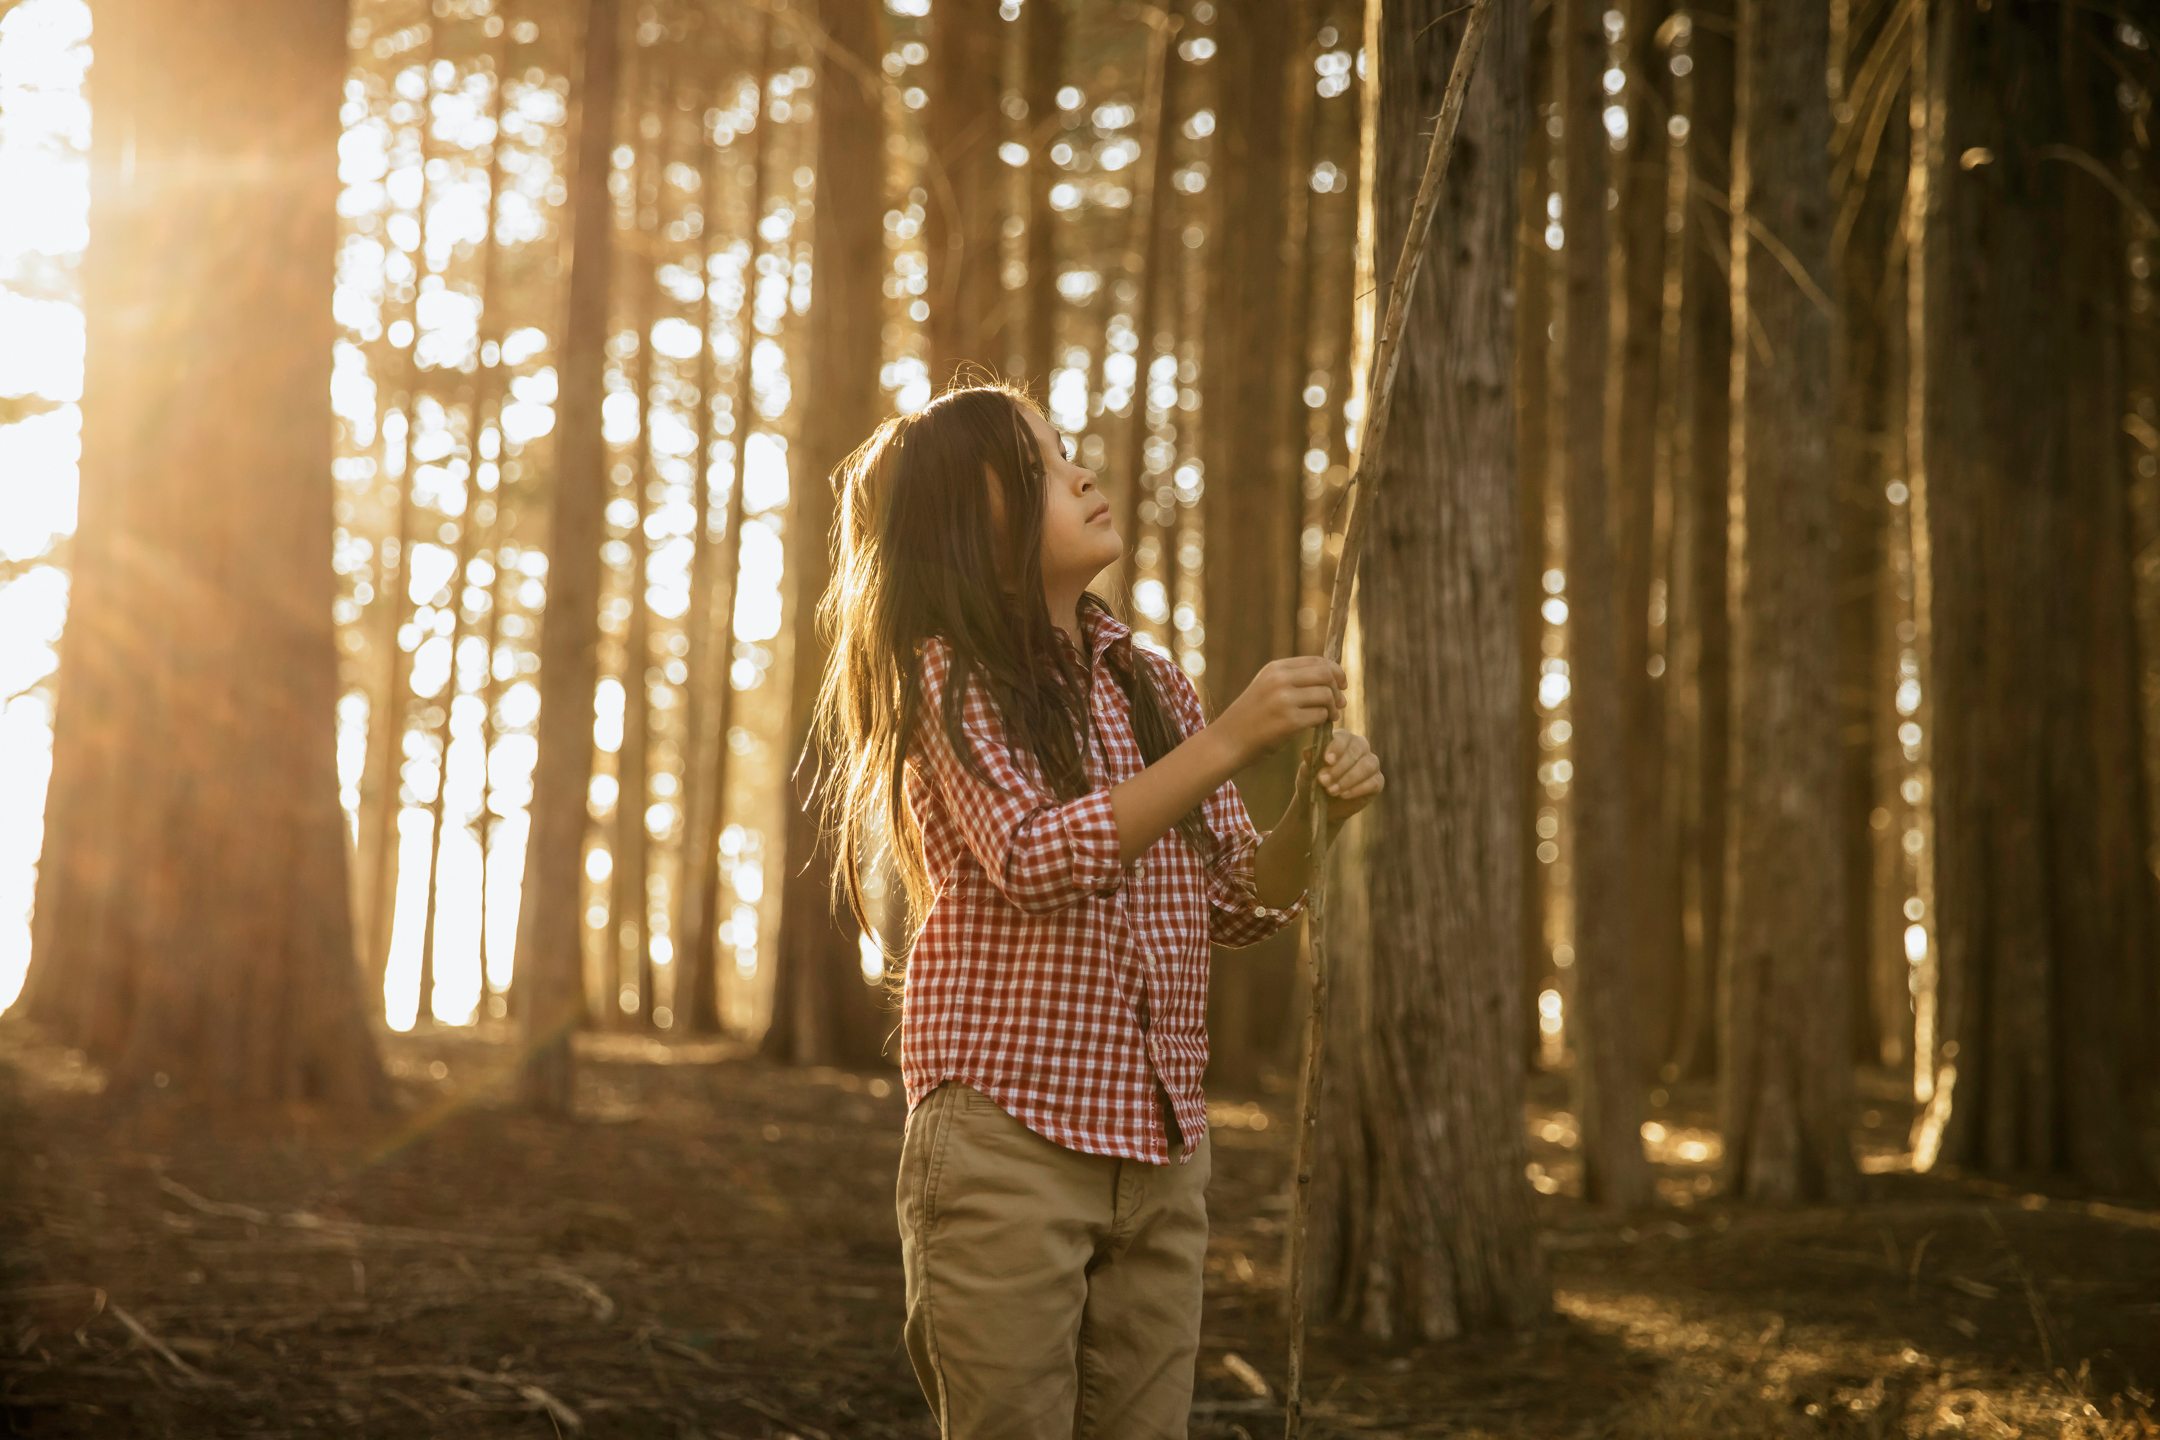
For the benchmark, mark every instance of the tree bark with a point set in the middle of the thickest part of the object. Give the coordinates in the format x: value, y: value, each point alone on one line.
x: 1700, y: 662
x: 1425, y: 1220
x: 550, y: 984
x: 1858, y: 259
x: 1786, y: 1062
x: 1252, y: 505
x: 960, y: 229
x: 1044, y: 74
x: 695, y: 925
x: 1536, y: 270
x: 629, y: 899
x: 1609, y: 1098
x: 2036, y: 933
x: 823, y: 1011
x: 193, y: 922
x: 1639, y: 276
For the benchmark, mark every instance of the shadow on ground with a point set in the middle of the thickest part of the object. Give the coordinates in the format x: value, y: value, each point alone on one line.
x: 708, y: 1249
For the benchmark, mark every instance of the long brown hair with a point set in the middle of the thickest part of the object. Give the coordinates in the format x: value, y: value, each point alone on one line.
x: 918, y: 555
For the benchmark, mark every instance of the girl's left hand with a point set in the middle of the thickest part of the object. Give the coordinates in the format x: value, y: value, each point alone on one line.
x: 1351, y: 775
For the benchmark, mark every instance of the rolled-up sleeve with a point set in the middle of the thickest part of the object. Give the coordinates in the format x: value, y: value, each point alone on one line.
x: 1043, y: 854
x: 1235, y: 915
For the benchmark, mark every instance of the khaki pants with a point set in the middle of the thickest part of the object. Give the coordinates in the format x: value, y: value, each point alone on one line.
x: 1050, y: 1294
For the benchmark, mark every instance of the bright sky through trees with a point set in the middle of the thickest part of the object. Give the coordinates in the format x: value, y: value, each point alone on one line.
x: 45, y: 173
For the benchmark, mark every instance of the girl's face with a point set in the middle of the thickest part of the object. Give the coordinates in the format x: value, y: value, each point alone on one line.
x: 1079, y: 540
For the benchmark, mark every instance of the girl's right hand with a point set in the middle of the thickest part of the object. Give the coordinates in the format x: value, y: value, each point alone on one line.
x: 1284, y: 699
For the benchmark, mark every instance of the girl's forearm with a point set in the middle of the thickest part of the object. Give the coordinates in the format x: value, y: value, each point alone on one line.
x: 1147, y: 805
x: 1284, y: 859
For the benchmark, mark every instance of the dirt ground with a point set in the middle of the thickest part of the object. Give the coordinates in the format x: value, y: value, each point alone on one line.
x: 708, y: 1249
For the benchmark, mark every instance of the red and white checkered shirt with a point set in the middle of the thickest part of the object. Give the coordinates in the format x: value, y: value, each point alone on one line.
x: 1050, y: 976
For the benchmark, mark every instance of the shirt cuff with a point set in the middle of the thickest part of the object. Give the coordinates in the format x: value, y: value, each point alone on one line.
x: 1238, y: 893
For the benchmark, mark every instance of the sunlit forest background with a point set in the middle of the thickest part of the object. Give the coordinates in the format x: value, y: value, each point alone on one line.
x: 1779, y: 508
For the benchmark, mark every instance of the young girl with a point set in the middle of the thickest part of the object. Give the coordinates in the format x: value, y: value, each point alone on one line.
x: 1060, y: 811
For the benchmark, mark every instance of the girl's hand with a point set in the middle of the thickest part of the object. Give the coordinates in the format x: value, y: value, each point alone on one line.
x: 1351, y: 776
x: 1285, y: 697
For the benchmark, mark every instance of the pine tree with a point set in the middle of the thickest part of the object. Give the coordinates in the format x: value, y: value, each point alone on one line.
x: 193, y: 924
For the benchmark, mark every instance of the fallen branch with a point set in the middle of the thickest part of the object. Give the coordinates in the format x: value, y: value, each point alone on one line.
x: 142, y: 1332
x: 603, y: 1307
x: 534, y: 1396
x: 343, y: 1229
x: 1364, y: 479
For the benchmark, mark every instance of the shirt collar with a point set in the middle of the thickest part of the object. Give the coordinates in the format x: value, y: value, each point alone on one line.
x: 1101, y: 629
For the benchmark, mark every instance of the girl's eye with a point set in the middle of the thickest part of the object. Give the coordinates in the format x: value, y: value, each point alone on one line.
x: 1065, y: 446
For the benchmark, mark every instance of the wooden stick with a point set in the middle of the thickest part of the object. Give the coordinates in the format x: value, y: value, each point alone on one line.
x: 1364, y: 477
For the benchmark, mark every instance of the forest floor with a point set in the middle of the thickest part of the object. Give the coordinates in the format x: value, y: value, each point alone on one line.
x: 708, y: 1249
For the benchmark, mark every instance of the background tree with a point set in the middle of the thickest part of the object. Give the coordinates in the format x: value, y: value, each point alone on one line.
x: 1607, y: 1079
x: 193, y: 922
x: 1251, y: 505
x: 2042, y: 935
x: 1787, y: 1081
x: 1697, y: 618
x: 823, y: 1012
x: 961, y: 226
x: 550, y: 992
x: 1425, y: 1225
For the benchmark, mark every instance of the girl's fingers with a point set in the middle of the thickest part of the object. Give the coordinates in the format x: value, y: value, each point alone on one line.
x: 1343, y: 751
x: 1362, y: 779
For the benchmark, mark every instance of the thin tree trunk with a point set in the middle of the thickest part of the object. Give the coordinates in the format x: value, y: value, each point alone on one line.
x: 194, y: 925
x: 391, y: 718
x: 424, y: 1010
x: 630, y: 902
x: 960, y: 230
x: 1146, y: 244
x: 1252, y: 505
x: 696, y: 925
x: 743, y: 410
x: 1044, y: 74
x: 1536, y: 269
x: 1786, y: 1061
x: 1427, y: 1225
x: 490, y: 405
x: 1609, y: 1098
x: 1639, y: 282
x: 551, y: 967
x: 823, y: 1012
x: 1701, y: 460
x: 1865, y: 592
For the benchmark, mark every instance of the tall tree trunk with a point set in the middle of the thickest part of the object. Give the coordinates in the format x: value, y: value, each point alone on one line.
x: 823, y: 1012
x: 501, y: 513
x: 1147, y: 256
x: 1044, y: 74
x: 550, y: 983
x: 1639, y: 277
x: 1700, y: 666
x: 960, y: 230
x: 2034, y: 970
x: 1609, y: 1098
x: 704, y: 961
x: 695, y: 924
x: 1428, y: 1218
x: 390, y: 717
x: 1786, y: 1062
x: 1251, y: 507
x: 424, y: 1010
x: 194, y: 926
x: 1536, y: 270
x: 1857, y: 257
x: 630, y: 900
